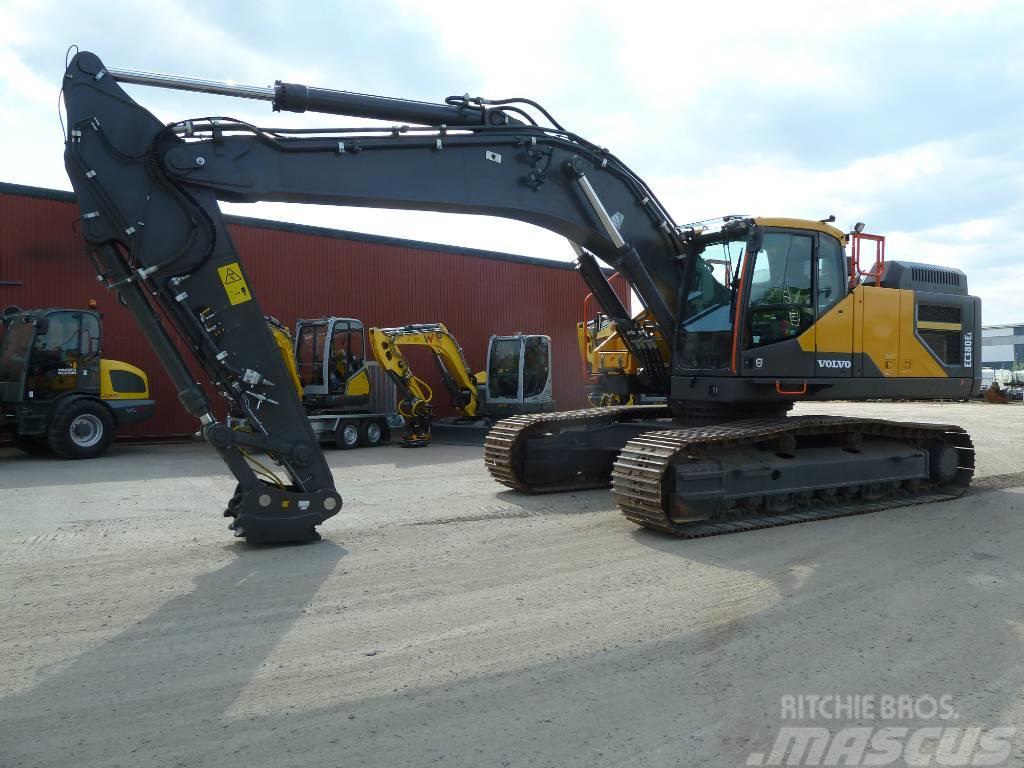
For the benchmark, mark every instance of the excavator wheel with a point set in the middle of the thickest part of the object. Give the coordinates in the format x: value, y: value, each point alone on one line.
x: 346, y: 436
x: 371, y: 433
x: 81, y: 429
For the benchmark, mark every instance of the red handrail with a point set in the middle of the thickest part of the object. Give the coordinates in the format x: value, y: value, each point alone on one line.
x: 856, y: 273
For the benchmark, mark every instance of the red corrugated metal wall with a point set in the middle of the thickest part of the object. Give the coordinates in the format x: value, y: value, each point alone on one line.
x: 309, y: 274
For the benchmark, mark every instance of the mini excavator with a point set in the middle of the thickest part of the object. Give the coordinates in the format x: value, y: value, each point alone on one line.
x: 517, y: 379
x: 731, y: 346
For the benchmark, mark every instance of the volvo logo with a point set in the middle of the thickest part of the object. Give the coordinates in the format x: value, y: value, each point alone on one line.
x: 835, y: 364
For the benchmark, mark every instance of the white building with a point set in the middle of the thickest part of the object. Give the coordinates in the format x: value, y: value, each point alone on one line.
x: 1002, y: 345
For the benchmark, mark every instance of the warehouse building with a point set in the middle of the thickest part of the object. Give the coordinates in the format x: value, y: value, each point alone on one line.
x: 1002, y: 346
x: 303, y: 272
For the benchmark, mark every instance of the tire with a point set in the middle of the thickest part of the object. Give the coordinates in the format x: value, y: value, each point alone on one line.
x: 82, y: 429
x: 371, y: 433
x: 33, y: 446
x: 346, y: 436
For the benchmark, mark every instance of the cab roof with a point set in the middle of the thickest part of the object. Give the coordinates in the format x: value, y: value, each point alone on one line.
x: 815, y: 226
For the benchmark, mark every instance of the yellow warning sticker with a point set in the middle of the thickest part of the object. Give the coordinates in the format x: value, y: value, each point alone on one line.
x: 234, y: 283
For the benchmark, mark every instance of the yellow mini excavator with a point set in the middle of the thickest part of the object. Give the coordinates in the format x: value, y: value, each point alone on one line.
x: 517, y: 379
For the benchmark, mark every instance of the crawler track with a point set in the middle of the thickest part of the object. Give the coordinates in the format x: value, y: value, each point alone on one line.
x: 507, y: 438
x: 643, y: 485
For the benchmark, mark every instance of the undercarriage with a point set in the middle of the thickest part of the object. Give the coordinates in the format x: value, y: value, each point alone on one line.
x: 694, y: 481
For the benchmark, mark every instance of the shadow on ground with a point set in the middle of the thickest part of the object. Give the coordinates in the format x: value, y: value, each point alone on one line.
x: 141, y: 692
x: 923, y: 604
x: 153, y: 462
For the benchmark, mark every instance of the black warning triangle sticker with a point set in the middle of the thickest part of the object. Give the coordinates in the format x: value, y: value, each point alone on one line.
x: 230, y: 276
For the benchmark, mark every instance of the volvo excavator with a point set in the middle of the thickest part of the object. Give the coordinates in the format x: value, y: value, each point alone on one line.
x: 730, y: 346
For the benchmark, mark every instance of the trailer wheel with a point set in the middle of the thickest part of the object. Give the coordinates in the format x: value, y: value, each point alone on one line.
x: 83, y: 429
x: 346, y: 436
x: 33, y: 446
x: 370, y: 433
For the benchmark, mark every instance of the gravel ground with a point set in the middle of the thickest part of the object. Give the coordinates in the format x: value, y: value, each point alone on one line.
x: 445, y: 621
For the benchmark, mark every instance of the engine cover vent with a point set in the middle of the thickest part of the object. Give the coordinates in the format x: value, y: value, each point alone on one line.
x: 924, y: 277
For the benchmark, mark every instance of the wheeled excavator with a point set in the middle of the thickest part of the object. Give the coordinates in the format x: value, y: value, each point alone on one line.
x: 59, y: 394
x: 792, y: 322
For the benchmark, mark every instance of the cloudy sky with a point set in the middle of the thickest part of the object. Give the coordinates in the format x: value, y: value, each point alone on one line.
x: 905, y: 115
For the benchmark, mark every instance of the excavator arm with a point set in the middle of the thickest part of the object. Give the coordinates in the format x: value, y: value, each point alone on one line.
x: 149, y: 192
x: 416, y: 405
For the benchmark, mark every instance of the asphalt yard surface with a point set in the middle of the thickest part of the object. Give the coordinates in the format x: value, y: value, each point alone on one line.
x: 444, y: 620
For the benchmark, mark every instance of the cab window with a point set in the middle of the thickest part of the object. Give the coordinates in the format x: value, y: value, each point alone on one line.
x: 832, y: 278
x: 62, y: 335
x: 90, y: 335
x: 535, y: 366
x: 503, y: 369
x: 310, y: 359
x: 341, y: 365
x: 780, y: 304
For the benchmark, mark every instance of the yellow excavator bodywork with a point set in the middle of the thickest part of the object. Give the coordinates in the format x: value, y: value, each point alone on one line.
x: 605, y: 354
x: 286, y: 346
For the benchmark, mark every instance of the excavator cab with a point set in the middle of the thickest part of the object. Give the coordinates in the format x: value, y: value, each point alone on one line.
x: 518, y: 374
x: 50, y: 353
x: 331, y: 357
x: 791, y: 315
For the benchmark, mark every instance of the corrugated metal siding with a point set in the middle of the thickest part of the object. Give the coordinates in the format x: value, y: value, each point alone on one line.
x: 305, y: 274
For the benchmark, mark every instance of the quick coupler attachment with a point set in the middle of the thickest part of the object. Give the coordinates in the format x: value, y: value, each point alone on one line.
x: 267, y: 514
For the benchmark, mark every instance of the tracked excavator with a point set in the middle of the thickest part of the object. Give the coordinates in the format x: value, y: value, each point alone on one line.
x: 795, y: 320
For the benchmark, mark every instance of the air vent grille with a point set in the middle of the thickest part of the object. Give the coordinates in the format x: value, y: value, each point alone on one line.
x: 937, y: 313
x: 935, y: 275
x: 947, y: 345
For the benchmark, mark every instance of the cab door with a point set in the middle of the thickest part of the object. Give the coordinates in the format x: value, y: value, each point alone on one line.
x: 64, y: 356
x: 778, y: 323
x: 505, y: 369
x: 833, y: 338
x: 345, y: 364
x: 310, y: 340
x: 537, y: 369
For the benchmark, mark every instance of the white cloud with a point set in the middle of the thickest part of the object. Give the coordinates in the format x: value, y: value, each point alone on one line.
x: 884, y: 112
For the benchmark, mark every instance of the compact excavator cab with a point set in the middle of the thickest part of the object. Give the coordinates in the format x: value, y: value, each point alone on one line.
x: 330, y: 354
x: 518, y: 374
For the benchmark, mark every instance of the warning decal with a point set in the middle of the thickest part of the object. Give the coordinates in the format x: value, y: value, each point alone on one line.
x: 234, y: 283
